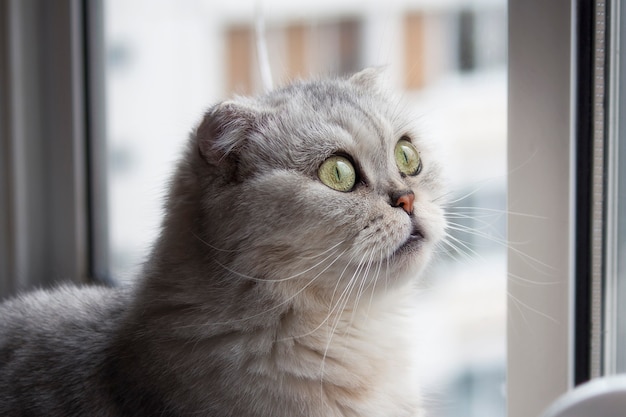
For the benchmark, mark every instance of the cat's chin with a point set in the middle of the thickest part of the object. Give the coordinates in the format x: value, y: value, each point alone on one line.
x: 413, y: 243
x: 410, y: 258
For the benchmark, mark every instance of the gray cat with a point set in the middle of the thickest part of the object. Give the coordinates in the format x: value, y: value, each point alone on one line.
x: 281, y: 283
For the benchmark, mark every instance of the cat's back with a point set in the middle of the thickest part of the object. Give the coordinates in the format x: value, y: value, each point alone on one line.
x: 62, y: 316
x: 53, y: 344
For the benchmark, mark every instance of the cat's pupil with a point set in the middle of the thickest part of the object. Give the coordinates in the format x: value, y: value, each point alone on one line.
x: 337, y: 173
x: 407, y: 158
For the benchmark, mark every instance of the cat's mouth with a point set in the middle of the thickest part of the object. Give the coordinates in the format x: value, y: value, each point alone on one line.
x: 416, y: 233
x: 414, y: 241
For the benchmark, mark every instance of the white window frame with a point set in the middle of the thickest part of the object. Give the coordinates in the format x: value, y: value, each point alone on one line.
x: 561, y: 146
x: 541, y: 201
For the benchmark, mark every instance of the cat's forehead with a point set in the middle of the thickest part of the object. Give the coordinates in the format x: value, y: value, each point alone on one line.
x: 340, y: 115
x: 304, y: 124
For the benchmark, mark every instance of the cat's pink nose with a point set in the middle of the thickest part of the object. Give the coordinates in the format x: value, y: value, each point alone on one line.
x: 406, y: 202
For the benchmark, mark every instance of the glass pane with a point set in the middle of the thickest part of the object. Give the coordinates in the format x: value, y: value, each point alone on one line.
x: 619, y: 348
x: 168, y: 61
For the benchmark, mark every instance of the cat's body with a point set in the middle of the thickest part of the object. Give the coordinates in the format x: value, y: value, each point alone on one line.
x: 268, y: 292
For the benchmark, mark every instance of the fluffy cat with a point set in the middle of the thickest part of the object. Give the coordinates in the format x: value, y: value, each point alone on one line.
x: 281, y: 283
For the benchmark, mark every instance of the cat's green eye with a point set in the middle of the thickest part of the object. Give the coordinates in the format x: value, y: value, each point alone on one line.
x: 407, y: 158
x: 338, y: 173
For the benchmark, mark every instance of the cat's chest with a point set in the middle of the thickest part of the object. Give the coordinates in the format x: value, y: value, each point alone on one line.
x: 357, y: 363
x: 360, y: 362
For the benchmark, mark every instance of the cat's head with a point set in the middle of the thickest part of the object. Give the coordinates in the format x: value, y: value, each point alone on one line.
x: 318, y: 183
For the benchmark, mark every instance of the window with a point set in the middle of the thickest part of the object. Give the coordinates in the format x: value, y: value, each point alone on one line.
x: 564, y: 178
x: 620, y: 195
x: 69, y: 200
x: 75, y: 206
x: 615, y: 342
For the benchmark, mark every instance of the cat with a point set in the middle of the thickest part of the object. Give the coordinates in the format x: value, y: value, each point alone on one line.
x: 281, y: 284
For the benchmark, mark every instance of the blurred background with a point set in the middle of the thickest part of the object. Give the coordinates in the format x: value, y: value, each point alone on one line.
x: 167, y: 61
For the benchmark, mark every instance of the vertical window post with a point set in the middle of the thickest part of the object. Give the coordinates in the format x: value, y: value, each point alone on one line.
x: 540, y: 203
x: 44, y: 234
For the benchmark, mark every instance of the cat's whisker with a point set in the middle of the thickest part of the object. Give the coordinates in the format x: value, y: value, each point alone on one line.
x: 442, y: 196
x: 362, y: 287
x: 472, y: 209
x: 480, y: 233
x: 519, y: 309
x: 277, y: 306
x: 520, y: 280
x: 387, y: 260
x: 492, y: 217
x: 347, y: 291
x: 339, y: 281
x: 458, y: 215
x: 463, y: 245
x: 463, y: 197
x: 474, y: 231
x: 519, y: 302
x: 533, y: 262
x: 486, y: 230
x: 529, y: 260
x: 332, y: 307
x: 302, y: 257
x: 299, y: 274
x: 239, y: 250
x: 374, y: 282
x: 365, y: 274
x: 440, y: 250
x: 248, y: 247
x: 456, y: 249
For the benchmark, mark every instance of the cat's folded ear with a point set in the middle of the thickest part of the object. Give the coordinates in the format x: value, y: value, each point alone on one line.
x: 371, y: 78
x: 223, y: 131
